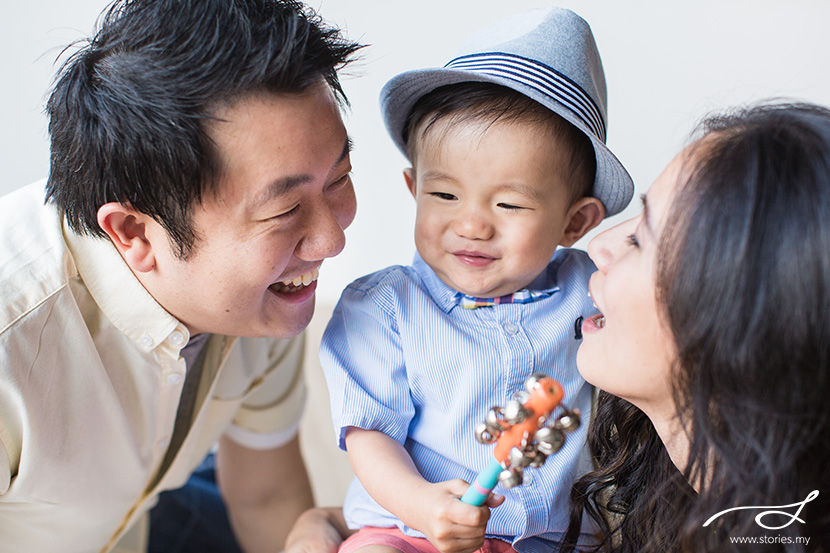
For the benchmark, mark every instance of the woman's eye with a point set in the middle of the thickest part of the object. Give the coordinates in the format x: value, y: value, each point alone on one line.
x: 631, y: 240
x: 444, y: 195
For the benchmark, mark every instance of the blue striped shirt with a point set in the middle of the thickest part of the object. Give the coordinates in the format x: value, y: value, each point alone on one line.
x: 402, y: 357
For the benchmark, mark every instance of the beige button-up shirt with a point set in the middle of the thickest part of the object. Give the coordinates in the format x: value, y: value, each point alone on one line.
x: 90, y: 379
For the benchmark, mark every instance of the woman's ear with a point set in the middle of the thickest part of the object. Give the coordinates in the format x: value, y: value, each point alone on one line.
x: 126, y: 228
x: 409, y: 177
x: 584, y: 214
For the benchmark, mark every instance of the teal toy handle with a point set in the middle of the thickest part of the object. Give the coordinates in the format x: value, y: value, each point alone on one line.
x: 486, y: 480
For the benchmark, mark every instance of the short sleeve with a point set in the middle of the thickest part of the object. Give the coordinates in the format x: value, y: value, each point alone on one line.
x: 10, y: 440
x: 363, y: 361
x: 5, y: 470
x: 270, y: 414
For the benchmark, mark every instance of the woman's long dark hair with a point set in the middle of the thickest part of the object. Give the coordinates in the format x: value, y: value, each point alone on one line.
x: 744, y: 278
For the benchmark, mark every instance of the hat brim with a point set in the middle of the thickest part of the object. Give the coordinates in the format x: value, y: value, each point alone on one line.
x: 612, y: 186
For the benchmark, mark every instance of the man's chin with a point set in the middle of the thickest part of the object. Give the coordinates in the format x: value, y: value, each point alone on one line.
x: 290, y: 323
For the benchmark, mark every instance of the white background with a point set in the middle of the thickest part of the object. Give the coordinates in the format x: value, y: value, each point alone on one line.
x: 667, y: 64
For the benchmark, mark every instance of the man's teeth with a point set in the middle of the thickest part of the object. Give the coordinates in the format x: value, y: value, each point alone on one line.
x: 305, y: 279
x: 302, y: 280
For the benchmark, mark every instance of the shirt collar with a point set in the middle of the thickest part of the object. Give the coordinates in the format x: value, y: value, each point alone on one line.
x: 446, y: 297
x: 121, y: 296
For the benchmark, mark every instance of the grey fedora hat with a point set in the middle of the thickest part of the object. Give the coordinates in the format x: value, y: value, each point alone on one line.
x: 547, y: 54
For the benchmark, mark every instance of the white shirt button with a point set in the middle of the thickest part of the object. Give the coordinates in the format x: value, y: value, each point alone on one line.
x: 146, y: 341
x: 511, y: 328
x: 528, y: 478
x: 176, y: 338
x: 174, y: 378
x: 162, y: 443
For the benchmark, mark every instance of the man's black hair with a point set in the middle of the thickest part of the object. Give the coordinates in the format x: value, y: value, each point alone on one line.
x: 128, y: 111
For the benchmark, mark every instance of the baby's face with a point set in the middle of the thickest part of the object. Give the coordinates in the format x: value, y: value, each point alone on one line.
x: 492, y: 204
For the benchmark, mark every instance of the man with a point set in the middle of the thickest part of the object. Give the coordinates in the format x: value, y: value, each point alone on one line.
x: 199, y: 177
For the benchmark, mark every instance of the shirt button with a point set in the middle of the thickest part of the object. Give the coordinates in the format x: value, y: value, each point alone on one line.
x: 510, y: 328
x: 162, y: 444
x: 174, y: 378
x: 146, y: 341
x: 528, y: 478
x: 176, y: 338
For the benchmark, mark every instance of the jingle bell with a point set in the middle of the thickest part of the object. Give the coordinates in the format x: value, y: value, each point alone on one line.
x: 568, y: 421
x: 511, y: 477
x: 494, y: 417
x: 514, y: 412
x: 519, y: 458
x: 532, y: 381
x: 549, y: 440
x: 486, y: 434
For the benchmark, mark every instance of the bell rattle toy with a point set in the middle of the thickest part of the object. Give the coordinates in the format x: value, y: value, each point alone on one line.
x: 525, y: 435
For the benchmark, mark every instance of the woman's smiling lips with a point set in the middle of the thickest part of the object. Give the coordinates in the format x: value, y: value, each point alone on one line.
x: 474, y: 258
x: 593, y: 324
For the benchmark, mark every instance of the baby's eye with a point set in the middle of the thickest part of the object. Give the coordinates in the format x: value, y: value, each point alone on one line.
x: 444, y: 195
x: 510, y: 207
x: 631, y: 240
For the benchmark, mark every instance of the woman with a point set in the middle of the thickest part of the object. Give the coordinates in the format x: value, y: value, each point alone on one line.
x: 713, y: 351
x: 713, y: 347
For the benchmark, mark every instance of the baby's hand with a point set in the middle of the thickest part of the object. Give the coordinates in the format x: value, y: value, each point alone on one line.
x: 449, y: 524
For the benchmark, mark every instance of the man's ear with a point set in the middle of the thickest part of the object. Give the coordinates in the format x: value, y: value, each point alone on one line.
x: 584, y: 214
x: 409, y: 177
x: 127, y: 228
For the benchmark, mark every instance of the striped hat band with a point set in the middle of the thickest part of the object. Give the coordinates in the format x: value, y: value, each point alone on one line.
x: 540, y: 77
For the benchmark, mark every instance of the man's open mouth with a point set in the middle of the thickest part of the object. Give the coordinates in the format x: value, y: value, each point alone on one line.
x: 298, y: 283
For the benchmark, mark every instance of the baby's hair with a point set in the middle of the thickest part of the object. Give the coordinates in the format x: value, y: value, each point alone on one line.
x: 488, y: 102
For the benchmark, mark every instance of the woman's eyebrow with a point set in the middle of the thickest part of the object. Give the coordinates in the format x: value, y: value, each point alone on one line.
x: 647, y: 214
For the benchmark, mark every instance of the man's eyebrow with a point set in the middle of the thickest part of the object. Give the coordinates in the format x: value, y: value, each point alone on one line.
x: 286, y: 184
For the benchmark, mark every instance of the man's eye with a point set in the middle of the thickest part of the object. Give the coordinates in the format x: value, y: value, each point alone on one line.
x: 285, y: 214
x: 444, y: 196
x: 341, y: 182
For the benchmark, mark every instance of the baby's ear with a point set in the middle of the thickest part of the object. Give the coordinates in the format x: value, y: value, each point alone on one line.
x: 584, y: 214
x: 409, y: 177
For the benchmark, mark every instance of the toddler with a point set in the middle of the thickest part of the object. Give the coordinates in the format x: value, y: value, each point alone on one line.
x: 508, y: 162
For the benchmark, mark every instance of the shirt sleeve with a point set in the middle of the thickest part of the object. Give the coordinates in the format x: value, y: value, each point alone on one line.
x: 10, y: 445
x: 269, y: 416
x: 5, y: 470
x: 363, y: 361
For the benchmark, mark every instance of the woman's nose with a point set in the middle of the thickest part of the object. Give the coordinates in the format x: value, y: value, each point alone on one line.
x: 605, y: 246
